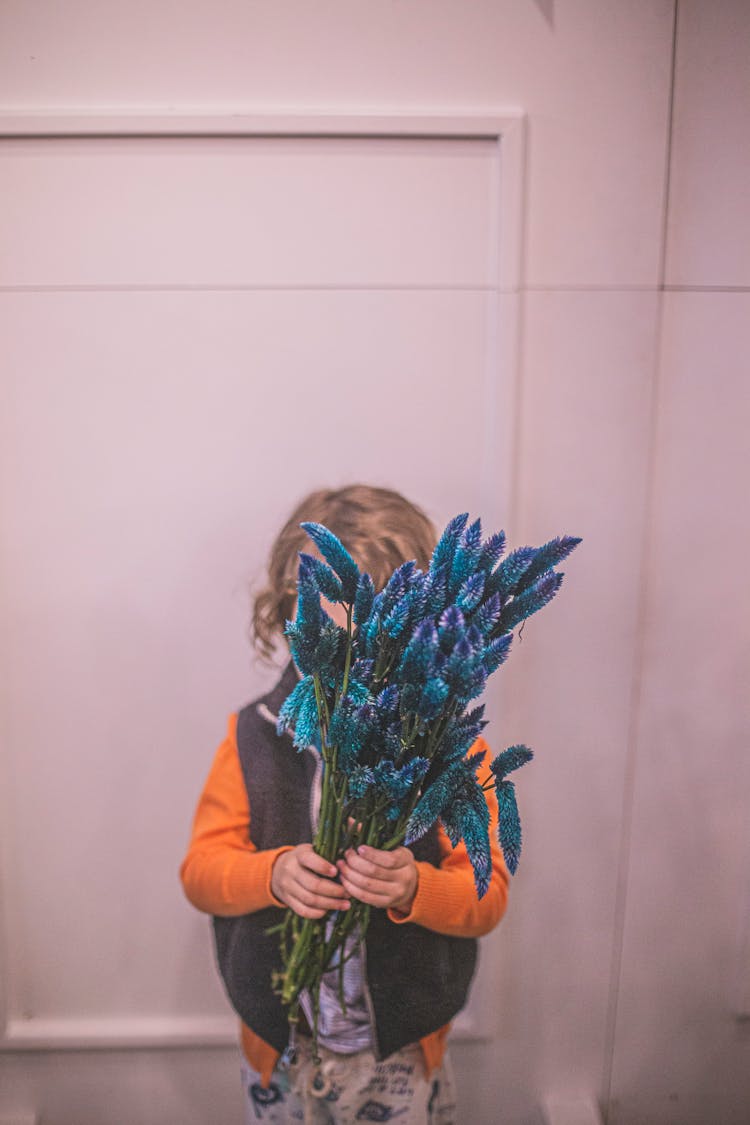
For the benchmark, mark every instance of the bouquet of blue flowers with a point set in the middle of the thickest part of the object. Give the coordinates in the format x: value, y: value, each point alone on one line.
x: 387, y: 702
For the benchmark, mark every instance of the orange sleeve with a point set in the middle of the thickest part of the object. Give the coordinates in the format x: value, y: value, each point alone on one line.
x: 446, y: 900
x: 223, y: 872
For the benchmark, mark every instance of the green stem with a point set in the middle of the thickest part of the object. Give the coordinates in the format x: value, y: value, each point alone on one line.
x: 348, y: 660
x: 322, y: 705
x: 306, y: 953
x: 340, y: 803
x: 294, y: 968
x: 437, y: 732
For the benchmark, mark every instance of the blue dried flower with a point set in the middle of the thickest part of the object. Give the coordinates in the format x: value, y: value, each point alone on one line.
x: 504, y: 580
x: 511, y: 759
x: 451, y: 626
x: 361, y: 780
x: 433, y: 699
x: 461, y: 733
x: 362, y: 669
x: 496, y: 653
x: 397, y: 783
x: 302, y: 648
x: 397, y: 585
x: 357, y: 691
x: 467, y: 555
x: 467, y: 817
x: 363, y: 599
x: 351, y: 725
x: 459, y: 672
x: 432, y: 803
x: 487, y: 615
x: 332, y: 637
x: 470, y: 593
x: 548, y: 556
x: 417, y: 596
x: 336, y: 554
x: 475, y: 639
x: 323, y: 577
x: 386, y: 703
x: 368, y: 632
x: 419, y: 655
x: 508, y: 824
x: 531, y: 600
x: 491, y: 551
x: 314, y: 639
x: 447, y: 545
x: 299, y: 714
x: 474, y: 686
x: 341, y: 728
x: 435, y: 591
x: 310, y: 615
x: 396, y: 621
x: 438, y: 794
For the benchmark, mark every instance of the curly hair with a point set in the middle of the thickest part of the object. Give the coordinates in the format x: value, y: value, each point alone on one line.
x: 380, y: 528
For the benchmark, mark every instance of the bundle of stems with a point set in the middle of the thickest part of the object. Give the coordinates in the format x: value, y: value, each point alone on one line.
x: 384, y: 700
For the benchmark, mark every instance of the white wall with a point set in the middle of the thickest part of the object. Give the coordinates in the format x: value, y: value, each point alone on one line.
x: 618, y: 971
x: 681, y: 1049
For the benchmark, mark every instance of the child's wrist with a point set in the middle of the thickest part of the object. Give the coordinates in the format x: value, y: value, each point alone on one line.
x: 404, y: 905
x: 272, y: 888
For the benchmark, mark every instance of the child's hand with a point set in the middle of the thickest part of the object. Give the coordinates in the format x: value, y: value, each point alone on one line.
x: 303, y: 880
x: 385, y: 879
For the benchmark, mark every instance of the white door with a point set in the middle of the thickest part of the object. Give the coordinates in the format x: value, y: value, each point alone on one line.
x: 197, y: 330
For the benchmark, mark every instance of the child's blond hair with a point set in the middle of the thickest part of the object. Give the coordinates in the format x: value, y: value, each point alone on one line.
x: 378, y: 526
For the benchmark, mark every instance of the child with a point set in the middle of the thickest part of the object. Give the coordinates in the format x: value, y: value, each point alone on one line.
x: 250, y: 857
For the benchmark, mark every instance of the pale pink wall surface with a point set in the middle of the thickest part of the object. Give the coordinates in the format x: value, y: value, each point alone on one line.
x: 618, y: 975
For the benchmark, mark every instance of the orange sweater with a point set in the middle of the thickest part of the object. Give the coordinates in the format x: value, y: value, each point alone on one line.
x: 224, y: 873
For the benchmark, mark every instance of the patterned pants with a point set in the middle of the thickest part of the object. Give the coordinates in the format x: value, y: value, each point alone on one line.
x: 347, y: 1089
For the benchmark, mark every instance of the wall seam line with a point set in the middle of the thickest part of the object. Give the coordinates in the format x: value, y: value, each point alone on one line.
x: 335, y: 287
x: 636, y: 686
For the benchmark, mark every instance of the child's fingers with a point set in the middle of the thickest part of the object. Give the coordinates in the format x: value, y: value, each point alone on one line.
x: 308, y: 893
x: 386, y: 861
x: 368, y: 876
x: 320, y: 901
x: 303, y: 880
x: 379, y: 886
x: 360, y: 871
x: 314, y: 862
x: 305, y: 911
x: 313, y: 884
x: 370, y: 891
x: 325, y: 890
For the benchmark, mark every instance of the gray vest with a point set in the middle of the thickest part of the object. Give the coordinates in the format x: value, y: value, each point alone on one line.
x: 418, y: 980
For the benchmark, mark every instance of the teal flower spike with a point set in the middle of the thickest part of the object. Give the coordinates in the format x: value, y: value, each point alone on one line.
x: 337, y: 556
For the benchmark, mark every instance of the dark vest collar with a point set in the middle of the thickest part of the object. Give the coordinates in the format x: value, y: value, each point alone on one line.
x: 277, y: 695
